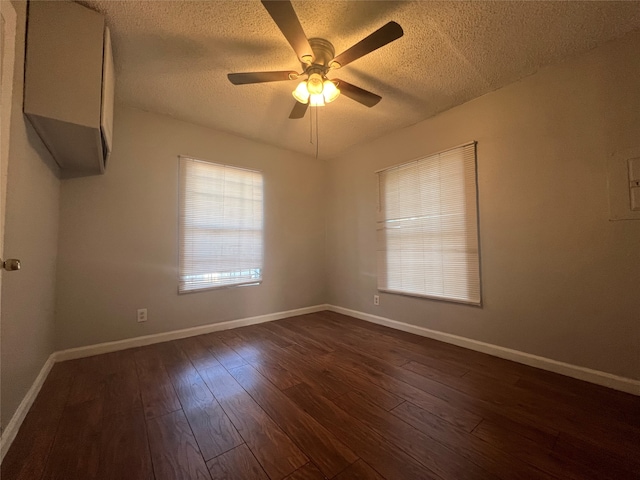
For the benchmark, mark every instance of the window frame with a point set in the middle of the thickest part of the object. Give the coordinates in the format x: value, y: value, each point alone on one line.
x: 479, y: 303
x: 259, y: 281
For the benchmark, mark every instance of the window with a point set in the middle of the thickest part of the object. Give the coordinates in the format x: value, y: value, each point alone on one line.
x: 220, y: 223
x: 427, y: 227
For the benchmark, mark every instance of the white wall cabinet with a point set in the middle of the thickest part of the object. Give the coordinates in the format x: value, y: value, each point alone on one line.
x: 69, y: 84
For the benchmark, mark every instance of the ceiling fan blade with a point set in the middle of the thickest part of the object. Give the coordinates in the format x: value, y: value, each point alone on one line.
x: 285, y: 17
x: 260, y: 77
x: 385, y: 34
x: 299, y: 110
x: 358, y: 94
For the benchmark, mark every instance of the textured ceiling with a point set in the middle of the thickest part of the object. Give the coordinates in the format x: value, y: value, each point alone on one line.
x: 173, y: 57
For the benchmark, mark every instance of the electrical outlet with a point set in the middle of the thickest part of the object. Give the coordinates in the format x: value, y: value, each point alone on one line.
x: 142, y: 315
x: 376, y: 299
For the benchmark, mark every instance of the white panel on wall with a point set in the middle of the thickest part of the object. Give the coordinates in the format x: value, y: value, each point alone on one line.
x: 623, y: 172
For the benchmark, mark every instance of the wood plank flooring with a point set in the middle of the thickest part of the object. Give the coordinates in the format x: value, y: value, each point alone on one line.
x: 320, y: 396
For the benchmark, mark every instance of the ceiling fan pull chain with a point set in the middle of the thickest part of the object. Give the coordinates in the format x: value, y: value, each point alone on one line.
x: 317, y: 137
x: 311, y: 128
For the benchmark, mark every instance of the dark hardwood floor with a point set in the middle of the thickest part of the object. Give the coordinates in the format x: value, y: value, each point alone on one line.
x: 320, y: 396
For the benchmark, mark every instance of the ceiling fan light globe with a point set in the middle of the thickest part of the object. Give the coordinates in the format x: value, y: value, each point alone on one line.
x: 316, y: 100
x: 330, y: 92
x: 301, y: 93
x: 315, y: 84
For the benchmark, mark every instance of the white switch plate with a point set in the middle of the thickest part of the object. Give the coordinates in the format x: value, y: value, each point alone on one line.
x: 142, y: 315
x: 376, y: 299
x: 622, y: 167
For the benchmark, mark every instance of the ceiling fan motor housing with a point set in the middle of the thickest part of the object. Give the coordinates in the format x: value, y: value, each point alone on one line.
x: 324, y: 52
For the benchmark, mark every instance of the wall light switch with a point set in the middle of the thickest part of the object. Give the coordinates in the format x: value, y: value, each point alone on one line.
x: 623, y: 179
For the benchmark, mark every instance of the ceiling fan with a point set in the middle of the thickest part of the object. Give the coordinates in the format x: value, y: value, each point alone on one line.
x: 317, y: 57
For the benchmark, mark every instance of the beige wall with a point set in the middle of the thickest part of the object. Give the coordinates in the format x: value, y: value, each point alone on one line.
x: 118, y: 235
x: 31, y: 234
x: 560, y: 280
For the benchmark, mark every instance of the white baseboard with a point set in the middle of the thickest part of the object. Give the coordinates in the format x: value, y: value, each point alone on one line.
x: 107, y: 347
x: 616, y: 382
x: 9, y: 433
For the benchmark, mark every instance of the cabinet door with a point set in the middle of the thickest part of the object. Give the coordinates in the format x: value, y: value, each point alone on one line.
x: 63, y: 72
x: 108, y: 89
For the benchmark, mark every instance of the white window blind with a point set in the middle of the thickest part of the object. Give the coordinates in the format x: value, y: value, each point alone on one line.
x: 220, y: 223
x: 427, y: 227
